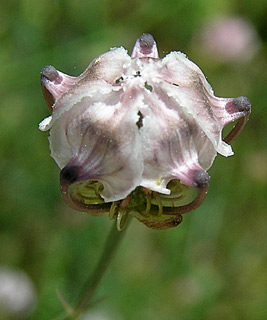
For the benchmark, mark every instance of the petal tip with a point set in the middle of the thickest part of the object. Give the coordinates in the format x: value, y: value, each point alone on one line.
x: 201, y: 178
x: 145, y: 46
x: 50, y: 73
x: 45, y: 124
x: 69, y: 174
x: 146, y: 42
x: 243, y: 104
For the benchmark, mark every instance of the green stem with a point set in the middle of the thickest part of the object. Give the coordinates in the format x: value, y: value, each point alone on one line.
x: 90, y: 286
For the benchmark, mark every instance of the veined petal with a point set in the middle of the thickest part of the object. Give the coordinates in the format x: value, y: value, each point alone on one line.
x: 170, y: 151
x: 108, y: 66
x: 145, y: 46
x: 91, y: 136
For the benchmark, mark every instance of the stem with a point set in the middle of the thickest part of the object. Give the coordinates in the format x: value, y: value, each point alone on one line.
x: 90, y: 286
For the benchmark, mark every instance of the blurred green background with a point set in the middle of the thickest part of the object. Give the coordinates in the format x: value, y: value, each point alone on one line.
x: 212, y: 265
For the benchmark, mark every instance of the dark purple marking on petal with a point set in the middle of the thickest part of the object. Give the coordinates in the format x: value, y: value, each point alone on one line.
x: 201, y: 178
x: 69, y: 174
x: 243, y: 104
x: 145, y: 47
x: 240, y: 104
x: 146, y: 43
x: 50, y: 73
x: 242, y: 107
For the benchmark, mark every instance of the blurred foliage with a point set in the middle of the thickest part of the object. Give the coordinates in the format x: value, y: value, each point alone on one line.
x: 210, y: 267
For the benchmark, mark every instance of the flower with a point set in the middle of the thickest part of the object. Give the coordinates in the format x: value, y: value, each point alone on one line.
x: 133, y: 134
x: 17, y: 294
x: 229, y: 39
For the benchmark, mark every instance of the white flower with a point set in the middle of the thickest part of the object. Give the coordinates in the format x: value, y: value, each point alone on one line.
x: 136, y: 121
x: 17, y: 294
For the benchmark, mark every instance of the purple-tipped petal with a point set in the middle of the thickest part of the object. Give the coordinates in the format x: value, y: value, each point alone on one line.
x: 69, y: 174
x: 201, y: 178
x: 51, y: 74
x: 55, y: 84
x: 145, y: 47
x: 236, y: 108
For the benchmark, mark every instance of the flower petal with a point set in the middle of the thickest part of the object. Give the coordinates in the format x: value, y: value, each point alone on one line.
x: 192, y: 92
x: 91, y: 136
x: 145, y: 46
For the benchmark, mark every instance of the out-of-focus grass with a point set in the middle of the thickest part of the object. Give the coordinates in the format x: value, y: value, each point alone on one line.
x: 210, y: 267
